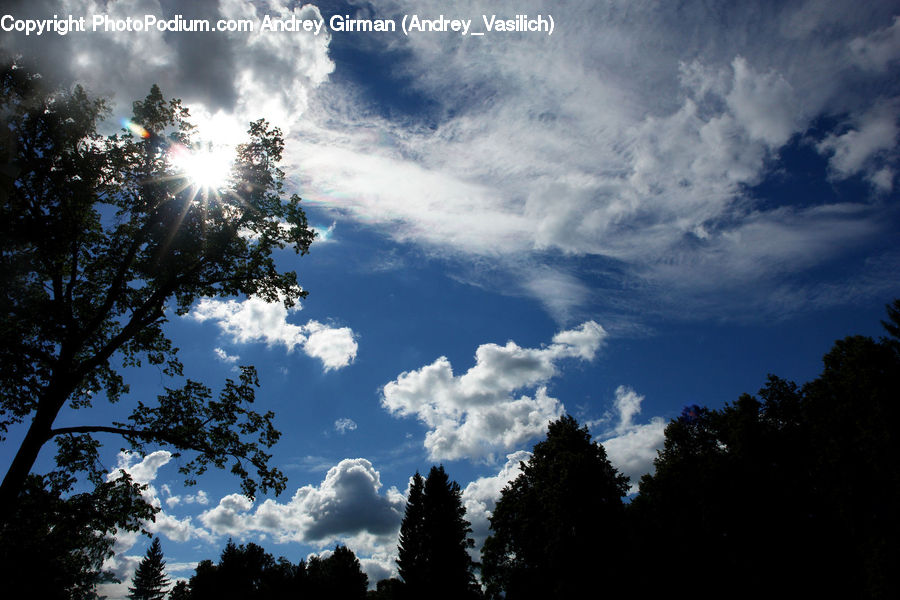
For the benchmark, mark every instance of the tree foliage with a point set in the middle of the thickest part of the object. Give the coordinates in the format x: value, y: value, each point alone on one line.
x: 337, y: 577
x: 411, y: 551
x: 560, y: 524
x: 150, y: 581
x: 790, y: 493
x: 248, y: 572
x: 54, y: 545
x: 433, y: 554
x: 102, y: 240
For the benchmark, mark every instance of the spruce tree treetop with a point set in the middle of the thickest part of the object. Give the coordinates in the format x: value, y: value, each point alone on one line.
x: 412, y: 542
x: 103, y: 239
x: 433, y: 554
x: 150, y: 581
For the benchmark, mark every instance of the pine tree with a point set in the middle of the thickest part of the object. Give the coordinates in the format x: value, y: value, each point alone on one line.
x: 434, y: 540
x: 150, y: 581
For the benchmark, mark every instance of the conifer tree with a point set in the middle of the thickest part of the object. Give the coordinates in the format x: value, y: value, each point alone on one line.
x: 150, y: 581
x: 411, y: 549
x: 434, y: 540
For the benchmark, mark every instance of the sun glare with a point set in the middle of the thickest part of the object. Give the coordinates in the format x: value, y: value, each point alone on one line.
x: 206, y: 168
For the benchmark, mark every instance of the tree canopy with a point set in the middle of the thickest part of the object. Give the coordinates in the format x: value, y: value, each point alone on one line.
x: 558, y: 529
x: 792, y: 492
x: 150, y: 581
x: 103, y: 240
x: 248, y: 572
x: 433, y: 553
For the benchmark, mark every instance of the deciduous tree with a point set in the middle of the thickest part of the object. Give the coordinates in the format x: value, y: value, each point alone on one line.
x: 104, y: 239
x: 557, y: 530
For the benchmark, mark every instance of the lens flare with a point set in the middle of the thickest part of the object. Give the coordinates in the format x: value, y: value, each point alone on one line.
x: 135, y: 128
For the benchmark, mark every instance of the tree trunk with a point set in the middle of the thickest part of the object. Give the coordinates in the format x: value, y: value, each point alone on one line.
x: 21, y: 466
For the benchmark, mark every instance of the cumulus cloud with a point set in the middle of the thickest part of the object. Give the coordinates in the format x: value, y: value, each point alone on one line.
x: 477, y: 413
x: 255, y: 320
x: 631, y: 447
x: 480, y: 496
x: 228, y: 78
x: 200, y: 497
x: 144, y: 471
x: 347, y: 505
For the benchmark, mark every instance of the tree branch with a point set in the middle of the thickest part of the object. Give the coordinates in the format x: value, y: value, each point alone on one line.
x: 146, y: 434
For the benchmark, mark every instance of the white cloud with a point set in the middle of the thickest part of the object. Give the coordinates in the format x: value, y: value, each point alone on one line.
x: 336, y: 347
x: 199, y: 498
x: 255, y: 320
x: 873, y: 134
x: 144, y: 471
x: 347, y: 505
x: 324, y: 235
x: 226, y: 358
x: 879, y: 49
x: 477, y: 413
x: 344, y: 425
x: 633, y: 141
x: 764, y: 104
x: 618, y: 139
x: 632, y: 447
x: 228, y: 517
x: 480, y: 496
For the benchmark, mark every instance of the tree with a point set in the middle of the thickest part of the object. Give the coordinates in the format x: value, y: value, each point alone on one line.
x: 54, y: 547
x: 248, y: 572
x: 411, y: 549
x: 433, y: 557
x: 791, y: 493
x: 557, y: 530
x: 180, y: 591
x: 387, y: 589
x: 102, y: 239
x: 337, y: 577
x: 150, y: 581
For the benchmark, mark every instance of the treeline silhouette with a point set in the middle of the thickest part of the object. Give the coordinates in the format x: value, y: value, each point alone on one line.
x: 792, y: 493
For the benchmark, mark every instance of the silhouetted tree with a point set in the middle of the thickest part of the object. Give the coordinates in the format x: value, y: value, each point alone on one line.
x: 150, y: 581
x: 433, y: 556
x: 411, y: 549
x: 102, y: 239
x: 54, y: 544
x: 338, y: 576
x: 387, y: 589
x: 247, y: 572
x: 558, y: 529
x: 180, y: 591
x: 789, y: 494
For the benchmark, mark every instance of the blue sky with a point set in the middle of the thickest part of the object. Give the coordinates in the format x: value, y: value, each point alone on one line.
x: 651, y: 207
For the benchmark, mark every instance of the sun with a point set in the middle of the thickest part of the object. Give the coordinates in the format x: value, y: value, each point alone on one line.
x: 206, y: 168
